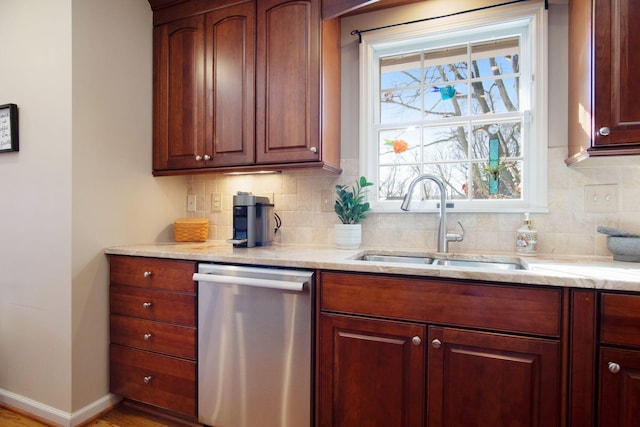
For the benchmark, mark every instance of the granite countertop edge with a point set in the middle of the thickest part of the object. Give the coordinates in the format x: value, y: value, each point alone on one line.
x: 602, y: 273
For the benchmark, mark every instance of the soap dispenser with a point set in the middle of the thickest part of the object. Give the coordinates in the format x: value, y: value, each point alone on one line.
x: 527, y: 239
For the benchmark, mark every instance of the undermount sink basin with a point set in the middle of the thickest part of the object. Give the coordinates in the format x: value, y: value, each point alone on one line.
x: 397, y: 258
x: 443, y: 262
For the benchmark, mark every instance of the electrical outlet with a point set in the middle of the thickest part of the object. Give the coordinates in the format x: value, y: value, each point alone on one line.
x: 216, y: 202
x: 191, y: 203
x: 326, y: 201
x: 601, y: 198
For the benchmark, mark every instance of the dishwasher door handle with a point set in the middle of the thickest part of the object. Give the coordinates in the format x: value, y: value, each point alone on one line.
x: 286, y: 285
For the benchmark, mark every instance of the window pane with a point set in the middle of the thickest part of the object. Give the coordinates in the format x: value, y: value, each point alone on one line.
x: 400, y: 71
x: 395, y: 180
x: 397, y: 146
x: 446, y: 64
x: 495, y: 96
x: 445, y: 143
x: 452, y: 175
x: 495, y: 57
x: 445, y: 101
x: 400, y: 105
x: 509, y: 181
x: 508, y: 135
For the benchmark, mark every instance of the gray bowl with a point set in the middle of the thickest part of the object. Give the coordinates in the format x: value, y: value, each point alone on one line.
x: 624, y: 248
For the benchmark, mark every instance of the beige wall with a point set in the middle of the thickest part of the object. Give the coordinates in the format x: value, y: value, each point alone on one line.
x: 567, y: 229
x: 80, y: 72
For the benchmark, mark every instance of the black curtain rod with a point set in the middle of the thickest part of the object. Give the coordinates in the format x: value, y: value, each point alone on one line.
x: 360, y: 32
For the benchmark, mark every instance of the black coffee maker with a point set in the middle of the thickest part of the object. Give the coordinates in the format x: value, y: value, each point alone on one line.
x: 253, y: 221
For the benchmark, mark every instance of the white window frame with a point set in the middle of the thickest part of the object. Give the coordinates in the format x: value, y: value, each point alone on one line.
x: 499, y: 21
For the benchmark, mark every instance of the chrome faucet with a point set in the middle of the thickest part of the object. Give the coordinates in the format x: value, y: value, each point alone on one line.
x: 443, y: 236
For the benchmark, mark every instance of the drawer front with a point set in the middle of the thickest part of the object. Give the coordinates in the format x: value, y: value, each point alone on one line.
x: 620, y: 321
x: 527, y: 310
x: 173, y: 340
x: 153, y: 305
x: 153, y: 273
x: 162, y: 381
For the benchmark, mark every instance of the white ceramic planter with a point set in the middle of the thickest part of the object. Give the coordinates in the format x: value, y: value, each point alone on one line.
x: 347, y: 236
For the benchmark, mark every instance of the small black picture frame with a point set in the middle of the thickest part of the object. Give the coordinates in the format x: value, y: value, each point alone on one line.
x: 9, y: 128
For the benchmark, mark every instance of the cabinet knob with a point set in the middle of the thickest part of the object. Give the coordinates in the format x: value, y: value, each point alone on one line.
x: 314, y: 149
x: 198, y: 158
x: 416, y: 340
x: 146, y: 305
x: 146, y: 337
x: 436, y: 343
x: 147, y: 274
x: 147, y: 379
x: 604, y: 131
x: 614, y: 368
x: 207, y: 157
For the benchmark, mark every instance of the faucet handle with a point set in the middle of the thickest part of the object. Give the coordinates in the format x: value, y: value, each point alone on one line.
x: 455, y: 237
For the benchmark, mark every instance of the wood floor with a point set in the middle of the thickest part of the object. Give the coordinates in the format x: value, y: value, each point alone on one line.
x: 120, y: 416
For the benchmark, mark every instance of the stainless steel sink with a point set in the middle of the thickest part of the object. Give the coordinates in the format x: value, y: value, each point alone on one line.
x: 495, y: 265
x: 491, y: 264
x: 397, y: 258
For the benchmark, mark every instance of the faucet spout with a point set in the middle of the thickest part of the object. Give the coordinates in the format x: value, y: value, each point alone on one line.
x: 443, y: 236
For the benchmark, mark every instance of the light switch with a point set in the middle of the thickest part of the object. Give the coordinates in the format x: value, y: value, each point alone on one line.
x: 216, y: 202
x: 191, y: 203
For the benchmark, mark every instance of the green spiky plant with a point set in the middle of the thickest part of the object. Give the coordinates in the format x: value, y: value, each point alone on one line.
x: 350, y: 204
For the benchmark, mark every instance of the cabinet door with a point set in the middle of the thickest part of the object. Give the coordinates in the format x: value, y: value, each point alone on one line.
x: 178, y: 130
x: 230, y: 81
x: 616, y: 62
x: 486, y: 379
x: 619, y: 388
x: 288, y: 83
x: 371, y: 373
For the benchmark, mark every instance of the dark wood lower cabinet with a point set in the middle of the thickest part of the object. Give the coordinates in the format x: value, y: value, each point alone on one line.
x: 486, y: 379
x: 412, y: 352
x: 371, y: 372
x: 619, y: 388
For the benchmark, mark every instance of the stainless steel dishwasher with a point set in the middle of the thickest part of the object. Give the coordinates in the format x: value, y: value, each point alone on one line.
x: 254, y: 346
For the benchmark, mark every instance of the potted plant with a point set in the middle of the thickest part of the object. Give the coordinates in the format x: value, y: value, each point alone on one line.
x: 351, y: 207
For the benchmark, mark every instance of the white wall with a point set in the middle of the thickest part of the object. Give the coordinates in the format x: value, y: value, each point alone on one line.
x: 80, y: 72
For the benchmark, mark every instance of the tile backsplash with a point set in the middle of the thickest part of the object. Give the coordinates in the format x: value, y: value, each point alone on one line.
x: 304, y: 201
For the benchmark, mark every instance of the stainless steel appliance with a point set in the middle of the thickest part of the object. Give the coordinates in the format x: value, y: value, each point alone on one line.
x: 254, y: 346
x: 253, y: 221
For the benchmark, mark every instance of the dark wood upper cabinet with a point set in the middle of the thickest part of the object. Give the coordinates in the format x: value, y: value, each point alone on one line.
x: 178, y: 114
x: 604, y: 110
x: 245, y: 85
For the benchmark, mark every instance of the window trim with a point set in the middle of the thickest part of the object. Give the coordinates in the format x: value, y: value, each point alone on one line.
x: 375, y: 43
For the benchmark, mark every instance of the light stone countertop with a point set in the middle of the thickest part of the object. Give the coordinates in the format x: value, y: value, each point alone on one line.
x: 567, y: 271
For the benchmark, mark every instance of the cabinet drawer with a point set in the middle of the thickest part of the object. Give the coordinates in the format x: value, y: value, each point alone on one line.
x: 153, y: 273
x: 527, y: 310
x: 620, y: 322
x: 159, y: 337
x: 162, y: 381
x: 153, y: 305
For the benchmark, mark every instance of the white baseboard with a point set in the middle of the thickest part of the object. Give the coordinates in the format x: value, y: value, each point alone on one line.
x: 56, y: 416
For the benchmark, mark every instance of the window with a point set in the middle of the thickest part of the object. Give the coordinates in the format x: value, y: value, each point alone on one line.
x: 462, y: 98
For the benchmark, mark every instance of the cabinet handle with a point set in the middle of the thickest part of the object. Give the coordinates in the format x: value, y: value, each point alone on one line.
x: 614, y: 368
x: 604, y: 131
x: 146, y: 337
x: 207, y: 157
x: 146, y: 305
x: 198, y: 157
x: 416, y: 340
x: 314, y: 150
x: 147, y: 274
x: 147, y: 379
x: 436, y: 343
